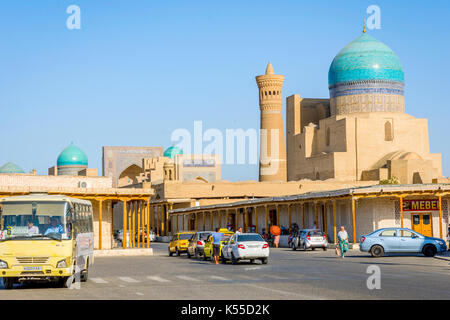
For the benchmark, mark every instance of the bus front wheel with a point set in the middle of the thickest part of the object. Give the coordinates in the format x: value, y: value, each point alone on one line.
x: 8, y: 283
x: 65, y: 282
x: 85, y: 273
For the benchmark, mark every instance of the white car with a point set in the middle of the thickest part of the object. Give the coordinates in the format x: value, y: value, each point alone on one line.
x: 245, y: 246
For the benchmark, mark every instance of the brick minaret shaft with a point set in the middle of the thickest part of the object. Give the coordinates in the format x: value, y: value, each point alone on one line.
x: 272, y: 156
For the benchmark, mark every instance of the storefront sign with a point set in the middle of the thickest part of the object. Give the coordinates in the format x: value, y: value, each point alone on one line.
x: 420, y: 205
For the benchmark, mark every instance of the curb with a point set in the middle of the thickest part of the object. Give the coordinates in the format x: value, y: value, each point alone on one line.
x: 445, y: 258
x: 123, y: 252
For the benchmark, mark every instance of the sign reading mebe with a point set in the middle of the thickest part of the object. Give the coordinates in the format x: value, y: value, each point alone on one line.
x: 420, y: 205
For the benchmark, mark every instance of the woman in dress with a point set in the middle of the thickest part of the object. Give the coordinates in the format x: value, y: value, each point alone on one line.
x: 343, y: 241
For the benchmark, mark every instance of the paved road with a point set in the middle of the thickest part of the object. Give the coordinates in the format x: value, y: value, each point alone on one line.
x: 289, y: 275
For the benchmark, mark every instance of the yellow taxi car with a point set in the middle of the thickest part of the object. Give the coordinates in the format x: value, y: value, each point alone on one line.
x: 208, y: 249
x: 179, y: 243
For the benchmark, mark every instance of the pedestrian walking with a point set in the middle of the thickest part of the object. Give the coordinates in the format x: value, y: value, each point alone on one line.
x: 216, y: 238
x: 343, y: 241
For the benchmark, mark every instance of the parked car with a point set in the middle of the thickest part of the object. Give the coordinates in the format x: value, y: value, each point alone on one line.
x: 245, y: 246
x: 309, y: 239
x: 144, y: 235
x: 197, y: 243
x: 396, y: 240
x: 179, y: 243
x: 208, y: 248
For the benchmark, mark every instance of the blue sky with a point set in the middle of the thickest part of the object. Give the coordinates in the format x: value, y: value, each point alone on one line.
x: 137, y: 70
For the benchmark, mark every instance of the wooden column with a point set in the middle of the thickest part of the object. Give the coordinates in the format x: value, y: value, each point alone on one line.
x: 196, y: 222
x: 167, y: 219
x: 148, y: 224
x: 124, y: 222
x: 211, y: 220
x: 334, y: 221
x: 129, y: 224
x: 354, y: 219
x: 182, y: 220
x: 267, y: 219
x: 278, y: 214
x: 303, y: 215
x: 204, y: 221
x: 289, y: 217
x: 157, y: 219
x: 100, y: 214
x: 152, y: 217
x: 316, y: 210
x: 163, y: 222
x: 440, y: 217
x: 401, y: 211
x: 325, y: 218
x: 138, y: 224
x: 134, y: 224
x: 256, y: 219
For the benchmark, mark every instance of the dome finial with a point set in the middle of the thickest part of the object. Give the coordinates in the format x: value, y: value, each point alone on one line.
x: 269, y: 69
x: 364, y: 28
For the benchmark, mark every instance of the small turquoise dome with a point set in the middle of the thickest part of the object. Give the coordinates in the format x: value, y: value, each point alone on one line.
x: 171, y: 152
x: 72, y: 156
x: 365, y: 58
x: 11, y: 168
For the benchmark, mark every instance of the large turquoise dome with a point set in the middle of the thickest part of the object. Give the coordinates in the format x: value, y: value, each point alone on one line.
x: 365, y: 58
x: 72, y: 156
x: 11, y: 168
x: 172, y: 151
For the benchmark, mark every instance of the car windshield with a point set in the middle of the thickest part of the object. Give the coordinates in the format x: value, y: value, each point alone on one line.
x: 34, y: 220
x: 185, y: 236
x: 249, y: 237
x: 315, y: 233
x: 203, y: 236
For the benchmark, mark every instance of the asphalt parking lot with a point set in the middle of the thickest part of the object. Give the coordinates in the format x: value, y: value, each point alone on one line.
x: 289, y: 275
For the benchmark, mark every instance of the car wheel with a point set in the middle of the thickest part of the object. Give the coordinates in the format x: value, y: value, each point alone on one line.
x: 312, y: 248
x: 85, y: 274
x: 429, y: 250
x: 204, y: 257
x: 8, y: 283
x: 324, y: 248
x: 252, y: 261
x: 304, y: 247
x: 177, y: 252
x: 188, y: 254
x: 233, y: 259
x: 377, y: 251
x: 170, y: 253
x: 223, y: 259
x: 196, y: 254
x: 264, y: 260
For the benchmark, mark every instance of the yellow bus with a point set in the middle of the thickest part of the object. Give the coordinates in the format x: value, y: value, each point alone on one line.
x: 45, y: 238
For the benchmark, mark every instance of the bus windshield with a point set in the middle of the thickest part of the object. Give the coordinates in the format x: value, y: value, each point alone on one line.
x: 34, y: 220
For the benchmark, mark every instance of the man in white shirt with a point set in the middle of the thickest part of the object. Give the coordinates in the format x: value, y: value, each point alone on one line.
x: 239, y: 231
x: 32, y: 229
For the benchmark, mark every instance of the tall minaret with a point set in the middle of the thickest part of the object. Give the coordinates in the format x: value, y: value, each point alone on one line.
x: 272, y: 155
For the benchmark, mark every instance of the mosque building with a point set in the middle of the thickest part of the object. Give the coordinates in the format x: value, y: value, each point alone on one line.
x: 328, y: 168
x: 361, y: 135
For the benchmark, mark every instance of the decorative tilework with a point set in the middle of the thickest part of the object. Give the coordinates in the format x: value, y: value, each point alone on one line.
x: 366, y: 87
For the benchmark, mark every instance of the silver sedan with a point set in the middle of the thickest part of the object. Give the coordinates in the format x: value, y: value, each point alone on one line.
x: 245, y: 246
x: 309, y: 239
